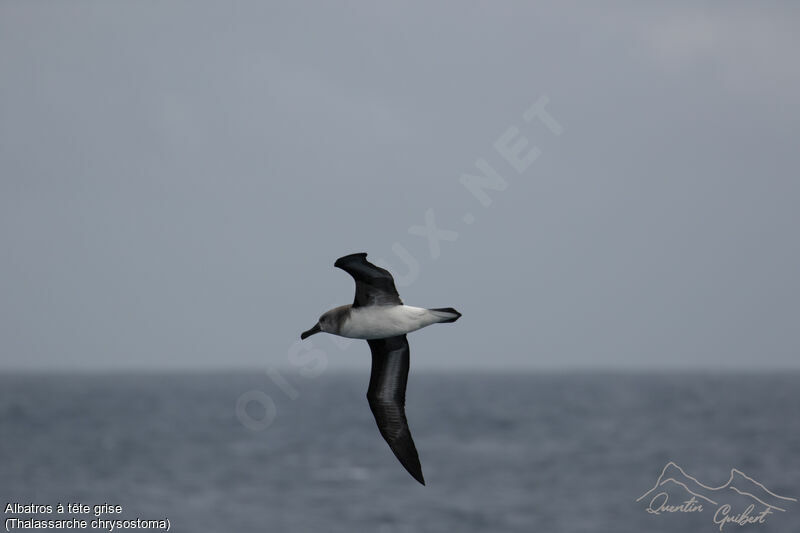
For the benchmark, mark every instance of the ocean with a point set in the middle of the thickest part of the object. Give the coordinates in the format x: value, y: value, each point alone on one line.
x: 516, y: 452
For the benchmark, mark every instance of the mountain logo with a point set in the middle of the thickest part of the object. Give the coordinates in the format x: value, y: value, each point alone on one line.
x: 741, y: 500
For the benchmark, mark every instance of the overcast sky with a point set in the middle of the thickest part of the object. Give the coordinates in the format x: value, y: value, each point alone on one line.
x: 177, y: 179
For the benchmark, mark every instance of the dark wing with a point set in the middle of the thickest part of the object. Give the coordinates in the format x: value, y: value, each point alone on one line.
x: 387, y: 399
x: 374, y: 285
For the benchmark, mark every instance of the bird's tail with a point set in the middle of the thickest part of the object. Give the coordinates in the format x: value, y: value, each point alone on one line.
x: 445, y: 314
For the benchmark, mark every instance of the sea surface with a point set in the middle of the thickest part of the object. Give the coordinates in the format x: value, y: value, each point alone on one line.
x: 535, y: 452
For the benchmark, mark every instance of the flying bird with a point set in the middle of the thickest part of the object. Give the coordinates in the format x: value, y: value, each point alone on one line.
x: 379, y: 316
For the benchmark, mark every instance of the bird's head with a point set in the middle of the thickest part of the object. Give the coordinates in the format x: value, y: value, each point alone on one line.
x: 327, y: 323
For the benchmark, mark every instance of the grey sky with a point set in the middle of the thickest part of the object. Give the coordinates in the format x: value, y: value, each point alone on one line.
x: 176, y: 180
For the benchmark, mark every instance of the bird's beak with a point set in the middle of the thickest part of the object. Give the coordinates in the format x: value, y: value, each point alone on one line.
x: 315, y: 329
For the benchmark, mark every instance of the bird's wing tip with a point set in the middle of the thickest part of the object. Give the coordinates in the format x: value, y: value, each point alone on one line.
x: 347, y: 258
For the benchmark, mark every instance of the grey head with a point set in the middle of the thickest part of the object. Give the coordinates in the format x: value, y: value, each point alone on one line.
x: 330, y: 321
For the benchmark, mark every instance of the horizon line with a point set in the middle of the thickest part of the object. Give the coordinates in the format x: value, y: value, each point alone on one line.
x: 568, y: 369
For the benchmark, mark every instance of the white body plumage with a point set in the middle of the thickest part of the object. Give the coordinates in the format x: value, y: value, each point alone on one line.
x: 381, y: 321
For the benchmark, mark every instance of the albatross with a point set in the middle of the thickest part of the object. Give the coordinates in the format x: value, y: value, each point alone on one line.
x: 379, y: 316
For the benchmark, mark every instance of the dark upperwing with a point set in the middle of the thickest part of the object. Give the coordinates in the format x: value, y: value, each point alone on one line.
x: 387, y: 399
x: 374, y: 285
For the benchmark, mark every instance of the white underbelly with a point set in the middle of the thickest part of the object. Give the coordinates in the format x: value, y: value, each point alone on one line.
x: 379, y: 322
